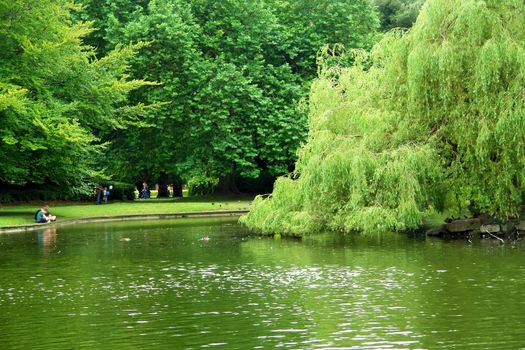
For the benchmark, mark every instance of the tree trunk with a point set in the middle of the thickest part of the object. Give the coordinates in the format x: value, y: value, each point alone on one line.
x: 177, y: 187
x: 163, y: 191
x: 227, y: 185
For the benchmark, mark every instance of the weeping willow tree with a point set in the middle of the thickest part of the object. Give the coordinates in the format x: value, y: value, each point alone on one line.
x: 428, y: 120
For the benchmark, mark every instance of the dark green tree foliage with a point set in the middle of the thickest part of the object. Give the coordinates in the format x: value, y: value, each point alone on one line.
x: 398, y: 13
x: 55, y: 98
x: 229, y: 98
x: 436, y: 119
x: 171, y: 58
x: 246, y: 115
x: 110, y: 17
x: 231, y: 78
x: 311, y: 25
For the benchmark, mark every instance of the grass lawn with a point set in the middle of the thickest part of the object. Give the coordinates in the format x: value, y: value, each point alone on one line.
x: 17, y: 214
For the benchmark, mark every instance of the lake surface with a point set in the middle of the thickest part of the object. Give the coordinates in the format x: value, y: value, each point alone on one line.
x: 206, y: 283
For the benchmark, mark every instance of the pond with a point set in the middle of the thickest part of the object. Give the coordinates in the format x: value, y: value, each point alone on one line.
x: 205, y: 283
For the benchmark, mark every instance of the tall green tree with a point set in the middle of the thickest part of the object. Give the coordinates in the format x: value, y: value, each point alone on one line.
x: 247, y: 119
x: 56, y: 98
x: 231, y: 76
x: 171, y: 58
x: 428, y: 121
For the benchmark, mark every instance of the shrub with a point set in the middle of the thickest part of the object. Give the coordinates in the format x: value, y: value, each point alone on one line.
x: 202, y: 185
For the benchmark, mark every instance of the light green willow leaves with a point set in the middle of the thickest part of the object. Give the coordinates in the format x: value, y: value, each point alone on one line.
x: 436, y: 119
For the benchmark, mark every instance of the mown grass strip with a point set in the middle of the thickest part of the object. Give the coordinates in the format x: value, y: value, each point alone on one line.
x: 19, y: 214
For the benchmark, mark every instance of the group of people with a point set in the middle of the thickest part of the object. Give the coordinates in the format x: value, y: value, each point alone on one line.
x: 102, y: 194
x: 145, y: 192
x: 42, y: 215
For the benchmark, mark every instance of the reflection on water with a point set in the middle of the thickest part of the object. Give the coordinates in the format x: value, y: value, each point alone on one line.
x: 192, y: 284
x: 47, y: 238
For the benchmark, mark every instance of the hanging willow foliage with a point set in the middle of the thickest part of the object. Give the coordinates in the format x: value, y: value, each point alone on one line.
x: 426, y: 121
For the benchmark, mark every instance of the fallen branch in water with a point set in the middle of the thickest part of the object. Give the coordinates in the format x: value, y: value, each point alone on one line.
x: 494, y: 236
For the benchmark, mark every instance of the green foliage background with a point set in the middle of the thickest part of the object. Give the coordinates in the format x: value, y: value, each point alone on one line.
x: 398, y: 13
x: 56, y: 99
x: 424, y: 123
x: 232, y: 75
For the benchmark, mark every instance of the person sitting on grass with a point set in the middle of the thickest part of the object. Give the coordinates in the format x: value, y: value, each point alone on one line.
x: 42, y: 215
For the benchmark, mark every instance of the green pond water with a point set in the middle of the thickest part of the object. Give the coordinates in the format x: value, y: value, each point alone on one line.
x: 201, y: 283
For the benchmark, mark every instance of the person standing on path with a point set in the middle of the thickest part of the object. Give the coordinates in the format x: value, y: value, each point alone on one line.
x: 106, y: 195
x: 99, y: 193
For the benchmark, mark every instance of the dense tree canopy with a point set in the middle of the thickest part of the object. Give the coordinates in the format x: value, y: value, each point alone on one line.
x: 229, y: 78
x: 228, y: 97
x: 231, y: 75
x: 310, y: 25
x: 56, y: 99
x: 425, y: 122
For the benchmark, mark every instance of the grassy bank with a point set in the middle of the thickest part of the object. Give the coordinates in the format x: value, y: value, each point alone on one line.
x: 17, y: 214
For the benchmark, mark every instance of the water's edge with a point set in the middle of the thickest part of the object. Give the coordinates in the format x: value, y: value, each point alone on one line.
x: 136, y: 217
